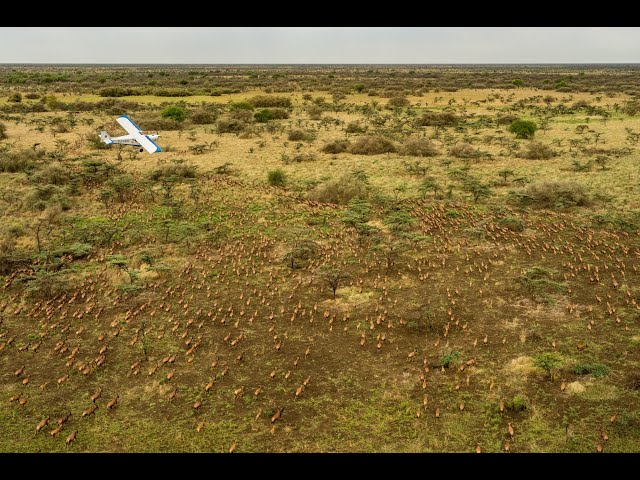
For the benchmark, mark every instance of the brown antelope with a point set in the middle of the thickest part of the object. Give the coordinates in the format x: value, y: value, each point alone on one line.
x: 42, y: 424
x: 277, y: 415
x: 71, y: 437
x: 90, y: 410
x: 62, y: 420
x: 112, y: 403
x: 55, y: 431
x: 96, y: 395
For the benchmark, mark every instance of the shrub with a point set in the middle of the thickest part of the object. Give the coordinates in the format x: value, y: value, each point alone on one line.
x: 3, y: 131
x: 271, y: 101
x: 370, y: 145
x: 449, y: 359
x: 463, y: 150
x: 506, y: 119
x: 298, y: 135
x: 336, y: 146
x: 243, y: 105
x: 420, y: 147
x: 277, y: 177
x: 267, y: 114
x: 518, y: 403
x: 549, y: 362
x: 595, y: 369
x: 538, y: 151
x: 20, y: 161
x: 631, y: 108
x: 174, y: 112
x: 32, y: 95
x: 514, y: 224
x: 203, y: 117
x: 523, y: 128
x: 15, y: 97
x: 354, y: 127
x: 116, y: 92
x: 315, y: 112
x: 556, y: 194
x: 53, y: 174
x: 157, y: 123
x: 341, y: 190
x: 230, y: 125
x: 176, y: 170
x: 437, y: 119
x: 395, y: 102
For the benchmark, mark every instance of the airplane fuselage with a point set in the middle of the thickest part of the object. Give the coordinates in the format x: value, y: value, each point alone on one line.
x: 129, y: 140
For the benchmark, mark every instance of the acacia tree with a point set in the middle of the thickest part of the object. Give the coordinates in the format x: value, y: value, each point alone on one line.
x: 332, y: 276
x: 44, y: 224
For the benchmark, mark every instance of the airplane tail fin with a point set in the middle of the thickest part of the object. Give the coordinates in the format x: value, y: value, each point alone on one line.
x: 104, y: 136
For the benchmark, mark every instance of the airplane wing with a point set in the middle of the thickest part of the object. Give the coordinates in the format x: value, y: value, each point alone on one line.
x: 134, y: 130
x: 129, y: 125
x: 146, y: 143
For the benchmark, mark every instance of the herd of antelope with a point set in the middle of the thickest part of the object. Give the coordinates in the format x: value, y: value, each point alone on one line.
x: 234, y: 333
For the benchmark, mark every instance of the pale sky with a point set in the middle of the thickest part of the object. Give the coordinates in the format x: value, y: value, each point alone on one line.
x: 244, y: 45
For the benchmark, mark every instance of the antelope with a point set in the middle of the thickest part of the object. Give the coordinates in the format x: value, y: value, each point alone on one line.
x: 71, y: 437
x: 510, y: 430
x: 209, y: 386
x: 112, y: 403
x: 277, y: 415
x: 64, y: 419
x: 90, y: 410
x: 233, y: 447
x: 197, y: 405
x: 55, y: 431
x: 437, y: 412
x: 200, y: 426
x: 42, y: 424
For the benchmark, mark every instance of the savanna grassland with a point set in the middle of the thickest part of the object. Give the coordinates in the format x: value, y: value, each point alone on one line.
x: 335, y: 258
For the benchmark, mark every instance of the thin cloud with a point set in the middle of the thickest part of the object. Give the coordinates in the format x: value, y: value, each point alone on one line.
x: 242, y: 45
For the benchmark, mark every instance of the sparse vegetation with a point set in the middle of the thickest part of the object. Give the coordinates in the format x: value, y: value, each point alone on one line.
x: 323, y: 258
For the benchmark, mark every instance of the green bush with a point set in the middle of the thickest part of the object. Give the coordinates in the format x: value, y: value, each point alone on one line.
x: 449, y: 359
x: 3, y: 131
x: 370, y: 145
x: 518, y: 403
x: 242, y: 105
x: 549, y: 362
x: 595, y: 369
x: 277, y: 177
x: 174, y: 112
x: 15, y: 97
x: 523, y: 128
x: 266, y: 114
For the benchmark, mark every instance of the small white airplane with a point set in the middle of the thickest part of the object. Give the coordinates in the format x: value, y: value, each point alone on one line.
x: 136, y: 137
